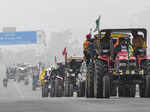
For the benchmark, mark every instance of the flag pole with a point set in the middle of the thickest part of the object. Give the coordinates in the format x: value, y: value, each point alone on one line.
x: 99, y: 24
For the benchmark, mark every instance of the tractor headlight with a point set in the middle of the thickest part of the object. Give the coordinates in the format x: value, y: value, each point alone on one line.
x: 127, y: 72
x: 132, y: 72
x: 121, y: 72
x: 70, y: 70
x: 141, y: 72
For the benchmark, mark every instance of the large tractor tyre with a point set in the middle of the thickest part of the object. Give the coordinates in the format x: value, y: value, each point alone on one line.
x: 121, y: 91
x: 142, y: 90
x: 56, y: 88
x: 146, y: 66
x: 124, y: 91
x: 90, y: 87
x: 70, y: 90
x: 86, y: 88
x: 52, y: 92
x: 81, y: 92
x: 113, y: 91
x: 147, y: 86
x: 106, y: 86
x: 82, y: 89
x: 143, y: 87
x: 132, y: 90
x: 46, y: 90
x: 43, y: 92
x: 100, y: 70
x: 66, y: 89
x: 127, y: 91
x: 60, y: 91
x: 52, y: 89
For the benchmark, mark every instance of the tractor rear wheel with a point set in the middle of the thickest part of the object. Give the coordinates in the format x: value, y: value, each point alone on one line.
x: 146, y: 68
x: 142, y: 90
x: 90, y: 80
x: 52, y: 90
x: 132, y: 90
x: 81, y: 92
x: 147, y: 88
x: 106, y: 86
x: 100, y: 70
x: 46, y: 91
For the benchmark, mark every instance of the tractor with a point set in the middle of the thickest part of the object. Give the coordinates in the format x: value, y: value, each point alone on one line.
x: 57, y: 80
x: 53, y: 82
x: 81, y: 80
x: 112, y: 73
x: 73, y: 65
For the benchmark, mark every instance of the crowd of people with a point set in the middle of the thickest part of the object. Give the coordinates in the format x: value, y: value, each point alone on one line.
x: 92, y: 45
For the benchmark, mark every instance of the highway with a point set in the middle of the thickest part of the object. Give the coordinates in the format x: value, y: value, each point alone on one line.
x: 18, y: 97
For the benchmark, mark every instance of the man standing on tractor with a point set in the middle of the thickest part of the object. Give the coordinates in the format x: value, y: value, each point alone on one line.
x: 86, y: 48
x: 138, y: 42
x: 42, y: 75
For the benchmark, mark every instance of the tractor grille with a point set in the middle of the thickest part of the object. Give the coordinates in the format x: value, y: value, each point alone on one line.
x: 127, y: 67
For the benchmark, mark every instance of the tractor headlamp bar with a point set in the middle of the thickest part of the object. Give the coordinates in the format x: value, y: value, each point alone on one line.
x: 117, y: 35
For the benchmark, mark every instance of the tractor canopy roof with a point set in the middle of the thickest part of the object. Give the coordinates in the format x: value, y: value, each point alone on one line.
x: 74, y: 58
x: 121, y: 33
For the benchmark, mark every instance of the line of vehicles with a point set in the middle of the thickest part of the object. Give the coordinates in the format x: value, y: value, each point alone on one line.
x: 105, y: 73
x: 107, y: 70
x: 23, y: 73
x: 62, y: 79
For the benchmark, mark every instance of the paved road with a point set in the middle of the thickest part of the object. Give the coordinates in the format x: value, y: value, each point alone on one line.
x: 21, y: 98
x: 75, y: 105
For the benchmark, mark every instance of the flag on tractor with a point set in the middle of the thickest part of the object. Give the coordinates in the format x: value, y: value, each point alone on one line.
x: 97, y: 25
x: 64, y: 52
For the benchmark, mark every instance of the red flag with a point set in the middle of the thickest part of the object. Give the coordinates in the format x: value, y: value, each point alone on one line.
x: 55, y: 59
x: 64, y: 52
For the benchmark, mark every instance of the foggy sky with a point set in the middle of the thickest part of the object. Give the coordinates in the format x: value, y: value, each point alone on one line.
x: 76, y: 15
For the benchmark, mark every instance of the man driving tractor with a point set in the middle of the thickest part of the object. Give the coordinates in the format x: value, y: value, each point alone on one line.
x: 125, y: 46
x: 138, y: 42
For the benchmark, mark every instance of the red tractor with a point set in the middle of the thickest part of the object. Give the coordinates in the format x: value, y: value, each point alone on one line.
x: 123, y: 69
